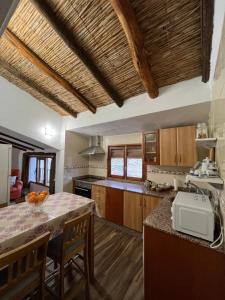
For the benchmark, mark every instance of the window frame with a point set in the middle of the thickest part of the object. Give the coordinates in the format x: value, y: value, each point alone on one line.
x: 125, y: 150
x: 38, y: 175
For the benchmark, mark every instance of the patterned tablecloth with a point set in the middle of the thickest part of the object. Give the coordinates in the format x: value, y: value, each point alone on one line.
x: 19, y: 225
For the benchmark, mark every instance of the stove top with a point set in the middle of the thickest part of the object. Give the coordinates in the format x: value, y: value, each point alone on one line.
x: 89, y: 179
x: 85, y: 181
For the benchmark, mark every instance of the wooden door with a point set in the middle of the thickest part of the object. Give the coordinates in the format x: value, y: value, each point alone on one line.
x: 132, y: 210
x: 149, y: 203
x: 114, y: 205
x: 186, y: 146
x: 168, y: 147
x: 98, y: 193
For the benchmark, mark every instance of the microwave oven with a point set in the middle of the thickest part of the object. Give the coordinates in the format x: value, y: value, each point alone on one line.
x: 193, y: 214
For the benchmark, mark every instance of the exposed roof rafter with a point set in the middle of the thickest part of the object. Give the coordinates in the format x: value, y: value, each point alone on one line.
x: 69, y: 39
x: 207, y: 12
x: 127, y: 18
x: 39, y: 63
x: 34, y: 86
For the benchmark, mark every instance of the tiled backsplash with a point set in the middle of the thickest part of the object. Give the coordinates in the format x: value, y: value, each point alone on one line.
x: 217, y: 114
x: 161, y: 174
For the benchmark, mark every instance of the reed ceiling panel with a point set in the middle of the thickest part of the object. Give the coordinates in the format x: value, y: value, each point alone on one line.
x: 172, y: 38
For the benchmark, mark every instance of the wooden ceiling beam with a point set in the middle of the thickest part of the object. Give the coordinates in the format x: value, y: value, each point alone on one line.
x: 39, y: 63
x: 207, y: 11
x: 67, y: 36
x: 13, y: 71
x: 127, y: 18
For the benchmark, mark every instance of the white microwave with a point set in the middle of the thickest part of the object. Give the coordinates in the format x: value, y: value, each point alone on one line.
x: 193, y: 214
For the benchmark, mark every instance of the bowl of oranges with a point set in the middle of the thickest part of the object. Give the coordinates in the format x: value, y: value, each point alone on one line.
x: 35, y: 200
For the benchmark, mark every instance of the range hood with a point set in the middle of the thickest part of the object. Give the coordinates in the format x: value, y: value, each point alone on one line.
x: 95, y: 147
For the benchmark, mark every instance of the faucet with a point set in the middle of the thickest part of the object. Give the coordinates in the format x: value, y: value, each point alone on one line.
x: 189, y: 183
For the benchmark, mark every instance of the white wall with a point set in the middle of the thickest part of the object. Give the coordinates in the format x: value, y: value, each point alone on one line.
x: 17, y: 158
x: 24, y: 115
x: 75, y: 164
x: 175, y: 96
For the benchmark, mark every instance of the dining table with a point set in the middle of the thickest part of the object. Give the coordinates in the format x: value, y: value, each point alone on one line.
x: 19, y: 223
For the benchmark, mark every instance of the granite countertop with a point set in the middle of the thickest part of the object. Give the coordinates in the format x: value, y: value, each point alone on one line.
x: 130, y: 187
x: 160, y: 219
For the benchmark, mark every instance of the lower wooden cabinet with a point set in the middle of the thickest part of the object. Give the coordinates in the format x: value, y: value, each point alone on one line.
x: 114, y: 206
x: 98, y: 193
x: 149, y: 203
x: 136, y: 208
x: 122, y: 207
x: 177, y: 269
x: 132, y: 211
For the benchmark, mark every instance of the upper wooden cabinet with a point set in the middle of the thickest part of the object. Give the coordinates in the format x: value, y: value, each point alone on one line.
x: 151, y: 147
x: 186, y: 146
x: 168, y: 147
x: 178, y: 147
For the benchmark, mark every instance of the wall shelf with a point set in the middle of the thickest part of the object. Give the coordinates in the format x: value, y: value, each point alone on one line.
x: 213, y: 180
x: 206, y: 143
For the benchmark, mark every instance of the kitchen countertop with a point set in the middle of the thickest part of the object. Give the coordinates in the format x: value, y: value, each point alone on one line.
x: 130, y: 187
x: 160, y: 219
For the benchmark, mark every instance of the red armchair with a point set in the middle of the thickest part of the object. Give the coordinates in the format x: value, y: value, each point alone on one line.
x: 16, y: 190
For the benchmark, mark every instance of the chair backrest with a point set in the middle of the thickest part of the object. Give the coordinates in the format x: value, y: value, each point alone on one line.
x: 20, y: 263
x: 76, y: 232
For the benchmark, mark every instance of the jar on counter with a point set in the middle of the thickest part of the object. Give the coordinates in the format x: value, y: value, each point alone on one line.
x: 202, y: 131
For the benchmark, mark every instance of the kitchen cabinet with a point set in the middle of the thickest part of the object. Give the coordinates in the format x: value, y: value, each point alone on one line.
x: 133, y: 213
x: 186, y: 146
x: 114, y: 205
x: 149, y: 203
x: 98, y: 193
x: 136, y: 208
x: 151, y: 147
x: 123, y: 207
x: 178, y: 147
x: 175, y: 268
x: 168, y: 147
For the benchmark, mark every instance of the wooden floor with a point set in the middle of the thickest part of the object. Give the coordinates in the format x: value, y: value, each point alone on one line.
x: 118, y: 265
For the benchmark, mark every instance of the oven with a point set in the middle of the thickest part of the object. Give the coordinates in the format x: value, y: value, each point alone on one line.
x: 82, y: 185
x: 82, y: 191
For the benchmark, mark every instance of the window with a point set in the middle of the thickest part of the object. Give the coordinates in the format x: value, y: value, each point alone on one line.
x: 39, y: 169
x: 125, y: 162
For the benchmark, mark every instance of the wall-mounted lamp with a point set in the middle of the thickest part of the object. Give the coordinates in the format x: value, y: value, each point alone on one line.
x: 48, y: 132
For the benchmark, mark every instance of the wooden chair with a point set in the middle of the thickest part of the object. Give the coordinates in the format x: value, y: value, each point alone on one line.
x: 67, y: 247
x: 22, y: 270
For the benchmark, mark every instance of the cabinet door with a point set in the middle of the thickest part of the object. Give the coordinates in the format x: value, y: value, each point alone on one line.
x: 149, y: 203
x: 114, y: 206
x: 151, y: 147
x: 186, y: 146
x: 98, y: 193
x: 132, y: 210
x: 168, y: 147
